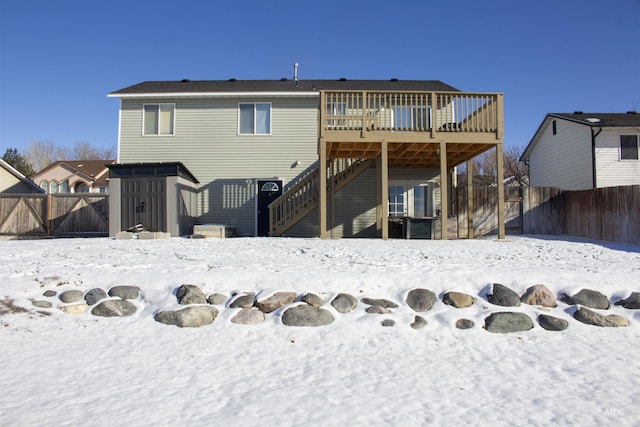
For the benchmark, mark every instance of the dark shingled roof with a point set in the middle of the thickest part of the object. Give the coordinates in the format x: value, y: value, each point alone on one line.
x: 232, y: 85
x: 630, y: 119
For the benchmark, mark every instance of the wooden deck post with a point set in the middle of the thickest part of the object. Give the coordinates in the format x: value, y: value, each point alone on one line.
x: 384, y: 188
x: 444, y: 194
x: 332, y: 197
x: 322, y: 190
x: 470, y: 212
x: 500, y: 184
x: 379, y: 196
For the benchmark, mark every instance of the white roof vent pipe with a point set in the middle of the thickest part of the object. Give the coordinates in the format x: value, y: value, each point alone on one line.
x: 295, y: 73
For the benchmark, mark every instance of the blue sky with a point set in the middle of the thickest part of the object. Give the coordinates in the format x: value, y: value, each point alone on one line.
x: 59, y: 59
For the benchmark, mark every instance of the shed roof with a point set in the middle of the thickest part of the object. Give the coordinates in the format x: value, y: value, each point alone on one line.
x: 284, y: 85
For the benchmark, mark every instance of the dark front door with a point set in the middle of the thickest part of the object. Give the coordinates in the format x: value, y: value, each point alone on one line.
x: 268, y: 191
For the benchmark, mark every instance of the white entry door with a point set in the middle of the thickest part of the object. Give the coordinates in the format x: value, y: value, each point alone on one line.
x: 410, y: 198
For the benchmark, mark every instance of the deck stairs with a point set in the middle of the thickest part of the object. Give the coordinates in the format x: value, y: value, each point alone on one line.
x: 302, y: 197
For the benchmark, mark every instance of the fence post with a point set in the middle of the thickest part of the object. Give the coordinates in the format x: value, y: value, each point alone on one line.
x: 49, y: 214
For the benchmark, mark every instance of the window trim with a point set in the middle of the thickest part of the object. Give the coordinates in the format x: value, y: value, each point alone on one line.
x: 626, y: 159
x: 173, y: 124
x: 269, y: 124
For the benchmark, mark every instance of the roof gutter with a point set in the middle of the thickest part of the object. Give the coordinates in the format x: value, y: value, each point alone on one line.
x: 593, y: 154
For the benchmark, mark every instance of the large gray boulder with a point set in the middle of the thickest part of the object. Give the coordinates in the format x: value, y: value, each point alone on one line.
x: 420, y: 299
x: 94, y: 295
x: 216, y: 299
x: 539, y: 295
x: 73, y: 295
x: 506, y: 322
x: 114, y: 308
x: 306, y: 315
x: 379, y: 302
x: 588, y: 298
x: 503, y: 296
x: 275, y: 301
x: 344, y: 303
x: 244, y: 301
x: 248, y: 316
x: 125, y: 292
x: 590, y: 317
x: 632, y: 302
x: 190, y: 294
x: 188, y: 317
x: 458, y: 299
x: 551, y: 323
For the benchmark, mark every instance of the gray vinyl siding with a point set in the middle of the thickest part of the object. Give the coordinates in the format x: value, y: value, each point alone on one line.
x: 563, y: 160
x: 206, y: 141
x: 610, y: 170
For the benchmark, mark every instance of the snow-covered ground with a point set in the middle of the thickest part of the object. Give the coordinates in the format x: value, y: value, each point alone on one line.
x: 64, y: 369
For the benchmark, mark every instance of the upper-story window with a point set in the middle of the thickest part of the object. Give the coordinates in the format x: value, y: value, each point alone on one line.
x: 629, y: 147
x: 158, y: 119
x: 254, y: 118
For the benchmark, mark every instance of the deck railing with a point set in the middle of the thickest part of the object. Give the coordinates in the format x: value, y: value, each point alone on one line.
x: 410, y: 111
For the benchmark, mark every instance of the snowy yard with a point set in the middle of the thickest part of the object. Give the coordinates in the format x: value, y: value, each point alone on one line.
x: 65, y: 369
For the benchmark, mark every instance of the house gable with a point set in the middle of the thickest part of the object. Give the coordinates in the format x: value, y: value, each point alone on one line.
x: 12, y: 181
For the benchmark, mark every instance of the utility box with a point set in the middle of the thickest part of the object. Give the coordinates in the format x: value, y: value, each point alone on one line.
x: 156, y: 197
x: 418, y: 228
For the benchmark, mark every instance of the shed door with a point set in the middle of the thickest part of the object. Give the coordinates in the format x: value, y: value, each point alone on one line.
x: 268, y: 191
x: 143, y: 202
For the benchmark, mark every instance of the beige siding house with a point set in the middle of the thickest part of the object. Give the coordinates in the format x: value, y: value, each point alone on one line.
x: 75, y: 176
x: 580, y: 151
x: 12, y: 181
x: 255, y: 148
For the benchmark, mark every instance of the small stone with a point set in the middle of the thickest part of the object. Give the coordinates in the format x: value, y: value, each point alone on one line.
x: 74, y: 308
x: 632, y: 302
x: 190, y: 294
x: 188, y: 317
x: 306, y: 315
x: 464, y: 324
x: 344, y: 303
x: 379, y: 302
x: 49, y: 293
x: 418, y: 322
x: 551, y: 323
x: 588, y: 298
x: 275, y: 301
x: 125, y: 292
x: 458, y: 299
x: 41, y: 304
x: 503, y: 296
x: 539, y: 295
x: 505, y: 322
x: 94, y: 295
x: 216, y: 299
x: 244, y: 301
x: 248, y: 316
x: 313, y: 300
x: 70, y: 296
x: 377, y: 309
x: 590, y: 317
x: 114, y: 308
x: 388, y: 323
x: 420, y: 300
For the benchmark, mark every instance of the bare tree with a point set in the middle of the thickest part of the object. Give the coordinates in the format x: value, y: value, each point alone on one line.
x: 84, y: 151
x: 41, y: 154
x: 485, y: 166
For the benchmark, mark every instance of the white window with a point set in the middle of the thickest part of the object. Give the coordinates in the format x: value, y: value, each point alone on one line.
x: 158, y: 119
x: 336, y: 109
x: 629, y: 147
x: 411, y: 118
x: 44, y: 185
x: 254, y: 118
x: 64, y: 187
x: 411, y: 198
x: 396, y: 201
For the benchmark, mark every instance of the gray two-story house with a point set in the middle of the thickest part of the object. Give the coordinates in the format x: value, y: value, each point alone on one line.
x: 254, y: 149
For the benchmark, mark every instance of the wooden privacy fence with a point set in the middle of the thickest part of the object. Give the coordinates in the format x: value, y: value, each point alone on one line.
x: 37, y: 215
x: 611, y: 213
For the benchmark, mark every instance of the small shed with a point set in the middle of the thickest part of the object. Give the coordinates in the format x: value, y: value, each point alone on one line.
x: 153, y: 196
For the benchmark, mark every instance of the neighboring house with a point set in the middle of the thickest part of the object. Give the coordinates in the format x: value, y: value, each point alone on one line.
x: 75, y: 176
x: 12, y: 181
x: 585, y: 150
x: 255, y: 147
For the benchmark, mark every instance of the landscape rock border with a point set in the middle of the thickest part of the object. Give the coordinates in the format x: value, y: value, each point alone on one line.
x: 311, y: 310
